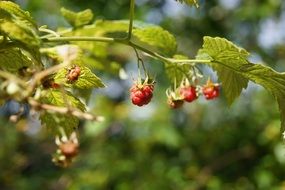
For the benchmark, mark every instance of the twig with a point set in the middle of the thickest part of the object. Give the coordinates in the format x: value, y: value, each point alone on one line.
x: 11, y: 77
x: 64, y: 110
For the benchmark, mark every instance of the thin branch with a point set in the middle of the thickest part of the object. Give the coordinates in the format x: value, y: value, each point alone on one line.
x: 64, y: 110
x: 41, y: 75
x: 11, y: 77
x: 49, y: 32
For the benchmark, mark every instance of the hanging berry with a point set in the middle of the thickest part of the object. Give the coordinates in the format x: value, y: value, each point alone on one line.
x: 141, y: 93
x: 174, y: 104
x: 174, y: 99
x: 211, y: 90
x: 189, y: 93
x: 67, y: 150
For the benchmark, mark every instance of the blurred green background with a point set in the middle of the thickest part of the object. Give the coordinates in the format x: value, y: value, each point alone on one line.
x: 205, y: 145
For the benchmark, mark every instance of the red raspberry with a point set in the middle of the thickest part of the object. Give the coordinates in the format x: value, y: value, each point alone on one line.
x: 141, y: 94
x: 174, y: 104
x: 211, y: 90
x: 188, y: 93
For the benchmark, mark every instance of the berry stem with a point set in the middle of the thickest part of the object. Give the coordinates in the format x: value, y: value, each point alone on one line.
x: 51, y: 32
x: 138, y: 64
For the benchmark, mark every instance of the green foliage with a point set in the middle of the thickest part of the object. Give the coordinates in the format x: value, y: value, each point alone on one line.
x: 63, y: 99
x: 17, y: 13
x: 77, y: 19
x: 86, y: 80
x: 18, y: 25
x: 204, y: 146
x: 155, y: 39
x: 225, y: 54
x: 235, y: 70
x: 13, y: 59
x: 56, y: 121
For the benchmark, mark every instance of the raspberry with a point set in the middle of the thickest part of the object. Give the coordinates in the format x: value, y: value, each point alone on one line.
x: 174, y: 104
x: 69, y: 149
x: 211, y: 90
x: 188, y: 93
x: 73, y: 74
x: 55, y: 85
x: 141, y: 94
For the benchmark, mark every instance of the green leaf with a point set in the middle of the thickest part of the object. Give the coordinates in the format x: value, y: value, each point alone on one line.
x: 18, y: 25
x: 177, y: 71
x: 222, y: 51
x: 54, y: 121
x: 19, y: 32
x: 86, y: 79
x: 13, y: 59
x: 189, y: 2
x: 57, y: 98
x: 156, y: 39
x: 231, y: 62
x: 77, y: 19
x: 17, y: 13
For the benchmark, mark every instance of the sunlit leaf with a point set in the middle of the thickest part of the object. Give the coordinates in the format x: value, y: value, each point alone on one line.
x: 77, y: 19
x: 86, y: 79
x: 234, y: 71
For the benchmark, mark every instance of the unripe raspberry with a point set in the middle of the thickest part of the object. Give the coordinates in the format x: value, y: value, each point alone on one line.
x: 174, y: 104
x: 69, y: 149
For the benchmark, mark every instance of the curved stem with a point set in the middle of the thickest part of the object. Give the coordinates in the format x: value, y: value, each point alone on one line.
x: 51, y: 32
x: 140, y: 61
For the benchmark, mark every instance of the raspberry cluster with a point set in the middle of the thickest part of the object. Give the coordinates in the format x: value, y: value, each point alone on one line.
x: 189, y: 93
x: 141, y: 94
